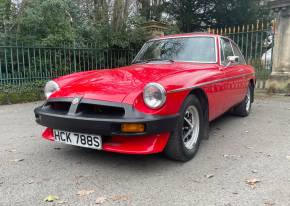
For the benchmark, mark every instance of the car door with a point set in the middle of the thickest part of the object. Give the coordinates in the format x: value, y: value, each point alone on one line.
x: 234, y: 78
x: 214, y: 84
x: 242, y: 67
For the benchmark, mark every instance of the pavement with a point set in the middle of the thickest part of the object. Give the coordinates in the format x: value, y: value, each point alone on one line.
x: 246, y: 161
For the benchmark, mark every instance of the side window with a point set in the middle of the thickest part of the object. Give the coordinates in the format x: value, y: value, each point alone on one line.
x: 226, y: 50
x: 239, y: 54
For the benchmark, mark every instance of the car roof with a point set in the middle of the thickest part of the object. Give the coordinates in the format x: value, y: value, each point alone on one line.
x: 187, y: 35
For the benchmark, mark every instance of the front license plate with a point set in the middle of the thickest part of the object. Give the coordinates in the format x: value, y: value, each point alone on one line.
x: 78, y: 139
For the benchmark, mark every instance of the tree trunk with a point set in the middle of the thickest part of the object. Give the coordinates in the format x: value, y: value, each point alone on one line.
x: 101, y: 11
x: 120, y: 14
x: 126, y: 11
x: 117, y: 14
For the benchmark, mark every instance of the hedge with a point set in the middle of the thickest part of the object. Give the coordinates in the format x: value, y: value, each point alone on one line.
x: 29, y: 92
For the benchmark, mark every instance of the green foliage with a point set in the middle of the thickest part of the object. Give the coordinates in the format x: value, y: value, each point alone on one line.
x: 67, y: 22
x: 7, y: 88
x: 112, y: 25
x: 197, y: 15
x: 46, y: 21
x: 7, y: 16
x: 191, y: 15
x: 236, y: 12
x: 103, y: 36
x: 172, y: 29
x: 12, y: 94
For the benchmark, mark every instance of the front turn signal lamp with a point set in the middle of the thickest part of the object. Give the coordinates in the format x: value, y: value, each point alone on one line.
x: 132, y: 128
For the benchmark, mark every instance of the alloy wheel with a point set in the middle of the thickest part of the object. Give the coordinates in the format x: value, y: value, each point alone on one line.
x: 190, y: 128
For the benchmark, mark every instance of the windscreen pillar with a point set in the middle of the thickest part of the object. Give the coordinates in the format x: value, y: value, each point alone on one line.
x: 279, y: 80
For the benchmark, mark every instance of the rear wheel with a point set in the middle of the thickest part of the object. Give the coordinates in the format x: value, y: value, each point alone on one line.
x: 184, y: 141
x: 244, y: 108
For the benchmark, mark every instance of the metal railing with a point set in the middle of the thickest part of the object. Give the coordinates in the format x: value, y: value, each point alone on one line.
x: 256, y: 42
x: 22, y: 64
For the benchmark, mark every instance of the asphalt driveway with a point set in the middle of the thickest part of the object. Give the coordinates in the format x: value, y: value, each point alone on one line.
x: 246, y: 161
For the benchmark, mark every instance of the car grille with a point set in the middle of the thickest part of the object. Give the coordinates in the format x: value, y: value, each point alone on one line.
x: 86, y: 109
x: 59, y: 107
x: 98, y: 110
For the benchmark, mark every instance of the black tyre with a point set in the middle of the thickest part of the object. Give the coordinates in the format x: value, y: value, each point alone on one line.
x: 184, y: 141
x: 244, y: 108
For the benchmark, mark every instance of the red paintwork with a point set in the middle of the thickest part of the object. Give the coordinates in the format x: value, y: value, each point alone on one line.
x: 126, y: 85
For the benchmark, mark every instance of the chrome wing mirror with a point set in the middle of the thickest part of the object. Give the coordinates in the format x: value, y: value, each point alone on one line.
x: 232, y: 60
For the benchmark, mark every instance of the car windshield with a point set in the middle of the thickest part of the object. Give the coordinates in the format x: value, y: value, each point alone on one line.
x: 193, y: 49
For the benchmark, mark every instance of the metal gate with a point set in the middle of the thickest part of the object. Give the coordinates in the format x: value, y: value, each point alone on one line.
x: 256, y: 42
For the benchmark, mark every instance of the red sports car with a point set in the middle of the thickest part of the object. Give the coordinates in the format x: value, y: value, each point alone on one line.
x: 163, y: 102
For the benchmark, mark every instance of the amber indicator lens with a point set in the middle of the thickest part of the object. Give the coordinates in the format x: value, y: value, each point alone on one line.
x: 132, y: 127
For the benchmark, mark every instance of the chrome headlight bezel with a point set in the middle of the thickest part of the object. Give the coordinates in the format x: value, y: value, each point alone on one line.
x: 151, y: 91
x: 50, y: 88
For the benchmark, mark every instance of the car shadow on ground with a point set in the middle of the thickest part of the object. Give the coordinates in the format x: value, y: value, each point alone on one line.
x: 88, y: 157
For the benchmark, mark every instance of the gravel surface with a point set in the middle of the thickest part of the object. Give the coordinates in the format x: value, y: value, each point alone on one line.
x: 253, y: 149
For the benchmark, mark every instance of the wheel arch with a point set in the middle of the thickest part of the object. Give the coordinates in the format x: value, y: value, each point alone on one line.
x: 252, y: 82
x: 202, y: 97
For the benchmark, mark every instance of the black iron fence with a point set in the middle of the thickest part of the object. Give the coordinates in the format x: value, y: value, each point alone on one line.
x: 22, y: 64
x: 256, y: 42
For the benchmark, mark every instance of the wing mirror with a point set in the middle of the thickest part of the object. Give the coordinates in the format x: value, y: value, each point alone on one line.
x: 232, y: 60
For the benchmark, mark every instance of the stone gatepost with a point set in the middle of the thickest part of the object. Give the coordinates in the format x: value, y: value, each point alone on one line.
x: 154, y: 29
x: 279, y: 80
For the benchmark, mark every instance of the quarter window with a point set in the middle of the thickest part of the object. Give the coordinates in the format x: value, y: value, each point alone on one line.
x: 226, y: 50
x: 239, y: 54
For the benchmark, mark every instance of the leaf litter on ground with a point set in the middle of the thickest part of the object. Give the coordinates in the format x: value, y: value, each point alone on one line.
x: 254, y: 171
x: 82, y: 193
x: 208, y: 176
x: 61, y: 202
x: 120, y: 198
x: 50, y: 198
x: 100, y: 200
x: 17, y: 160
x: 252, y: 182
x: 232, y: 156
x: 269, y: 203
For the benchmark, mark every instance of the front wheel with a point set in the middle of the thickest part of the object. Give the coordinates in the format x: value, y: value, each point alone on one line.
x: 185, y: 139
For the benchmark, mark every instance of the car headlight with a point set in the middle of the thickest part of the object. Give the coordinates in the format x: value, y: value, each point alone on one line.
x: 154, y: 95
x: 50, y: 88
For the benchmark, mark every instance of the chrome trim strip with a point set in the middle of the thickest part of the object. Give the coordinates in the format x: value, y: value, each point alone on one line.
x: 210, y: 82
